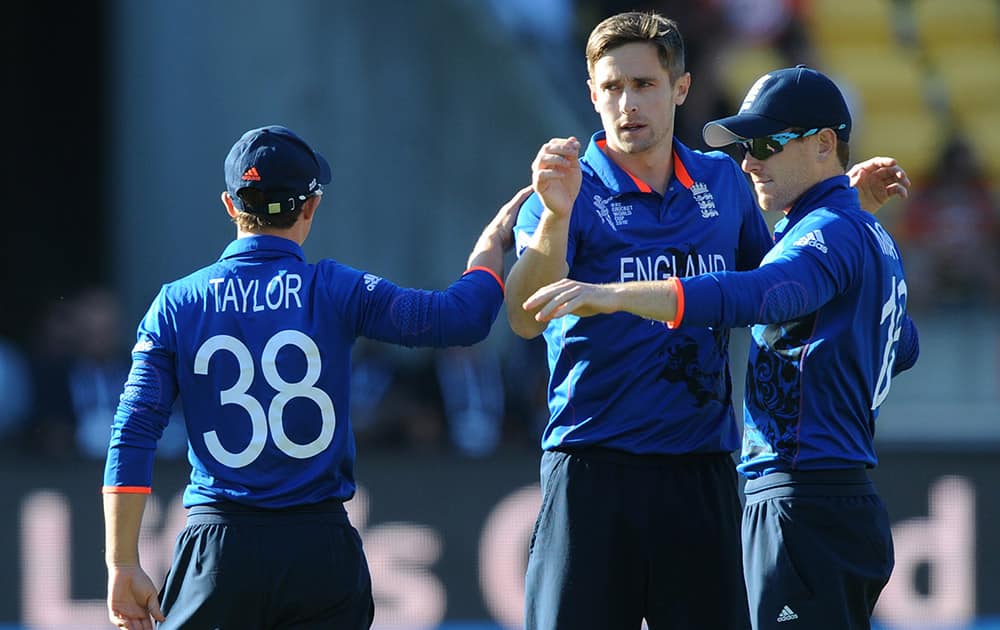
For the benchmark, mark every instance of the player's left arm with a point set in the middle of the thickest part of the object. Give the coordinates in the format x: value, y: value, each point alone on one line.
x: 132, y: 597
x: 796, y: 283
x: 877, y: 180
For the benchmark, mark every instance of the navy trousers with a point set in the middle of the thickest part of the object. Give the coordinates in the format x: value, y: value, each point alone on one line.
x: 296, y: 569
x: 817, y: 550
x: 621, y: 538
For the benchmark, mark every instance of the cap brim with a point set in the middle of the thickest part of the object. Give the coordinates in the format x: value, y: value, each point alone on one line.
x: 719, y: 133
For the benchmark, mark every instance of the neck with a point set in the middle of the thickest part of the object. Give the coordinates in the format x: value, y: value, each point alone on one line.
x: 653, y: 166
x: 830, y: 174
x: 291, y: 234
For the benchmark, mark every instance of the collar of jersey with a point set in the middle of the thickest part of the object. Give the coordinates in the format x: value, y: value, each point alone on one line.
x: 833, y: 192
x: 616, y: 179
x: 263, y: 243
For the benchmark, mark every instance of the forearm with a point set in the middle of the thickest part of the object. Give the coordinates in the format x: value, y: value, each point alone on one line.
x: 122, y: 520
x: 488, y: 251
x: 656, y: 299
x: 541, y: 263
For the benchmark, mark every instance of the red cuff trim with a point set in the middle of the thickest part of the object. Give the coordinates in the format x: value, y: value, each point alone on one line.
x: 679, y: 290
x: 489, y: 271
x: 126, y: 490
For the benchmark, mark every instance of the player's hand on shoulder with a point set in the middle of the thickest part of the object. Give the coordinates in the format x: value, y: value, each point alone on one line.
x: 556, y: 175
x: 877, y: 180
x: 505, y: 219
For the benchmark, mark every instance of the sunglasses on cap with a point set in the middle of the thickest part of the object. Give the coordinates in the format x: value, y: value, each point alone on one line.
x: 766, y: 146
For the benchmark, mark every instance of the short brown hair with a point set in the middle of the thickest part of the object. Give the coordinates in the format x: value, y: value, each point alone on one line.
x: 635, y: 26
x: 843, y: 153
x: 252, y: 222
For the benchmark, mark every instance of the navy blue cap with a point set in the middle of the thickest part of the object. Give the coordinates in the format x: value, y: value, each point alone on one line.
x: 278, y: 163
x: 790, y: 97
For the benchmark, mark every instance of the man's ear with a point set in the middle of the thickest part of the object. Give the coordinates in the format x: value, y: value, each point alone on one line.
x: 309, y: 207
x: 826, y: 144
x: 228, y: 202
x: 681, y: 87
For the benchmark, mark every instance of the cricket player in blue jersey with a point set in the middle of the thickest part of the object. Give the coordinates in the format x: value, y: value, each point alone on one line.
x: 829, y: 325
x: 640, y: 517
x: 258, y: 347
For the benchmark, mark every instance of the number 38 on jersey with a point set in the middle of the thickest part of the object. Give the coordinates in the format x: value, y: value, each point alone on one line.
x: 271, y: 421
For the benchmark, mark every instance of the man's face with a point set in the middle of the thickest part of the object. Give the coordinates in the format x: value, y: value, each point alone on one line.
x: 633, y: 94
x: 780, y: 180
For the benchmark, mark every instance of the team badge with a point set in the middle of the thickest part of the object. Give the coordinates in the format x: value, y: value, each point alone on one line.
x: 706, y: 202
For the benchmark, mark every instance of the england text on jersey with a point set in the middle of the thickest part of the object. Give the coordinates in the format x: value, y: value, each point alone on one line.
x: 666, y: 265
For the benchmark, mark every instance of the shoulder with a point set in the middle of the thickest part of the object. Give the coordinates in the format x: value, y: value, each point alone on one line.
x: 842, y: 233
x: 714, y: 161
x: 713, y: 168
x: 327, y: 268
x: 191, y: 286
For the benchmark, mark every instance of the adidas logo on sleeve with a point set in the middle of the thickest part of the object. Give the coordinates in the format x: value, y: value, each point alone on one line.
x: 787, y: 614
x: 813, y: 239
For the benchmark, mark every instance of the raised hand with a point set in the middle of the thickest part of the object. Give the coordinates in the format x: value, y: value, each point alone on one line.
x: 556, y: 175
x: 877, y: 180
x: 506, y: 218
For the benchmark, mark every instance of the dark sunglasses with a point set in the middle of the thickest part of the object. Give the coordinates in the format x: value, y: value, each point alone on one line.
x: 766, y: 146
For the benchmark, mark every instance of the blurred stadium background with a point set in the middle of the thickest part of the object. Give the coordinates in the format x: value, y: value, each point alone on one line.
x: 430, y: 112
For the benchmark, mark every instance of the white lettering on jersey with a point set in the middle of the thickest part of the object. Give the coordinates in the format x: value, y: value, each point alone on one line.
x: 612, y: 212
x: 635, y: 268
x: 243, y: 296
x: 884, y: 240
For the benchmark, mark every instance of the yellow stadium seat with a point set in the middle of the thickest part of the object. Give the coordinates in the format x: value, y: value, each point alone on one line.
x: 740, y: 65
x: 881, y: 79
x: 914, y: 138
x: 970, y: 77
x: 850, y: 22
x: 948, y: 22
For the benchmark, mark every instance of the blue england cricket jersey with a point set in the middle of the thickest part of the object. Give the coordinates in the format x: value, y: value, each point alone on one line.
x: 828, y: 305
x: 622, y: 382
x: 258, y: 346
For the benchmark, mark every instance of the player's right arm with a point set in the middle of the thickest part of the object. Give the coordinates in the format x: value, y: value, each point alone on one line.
x: 143, y: 411
x: 556, y: 178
